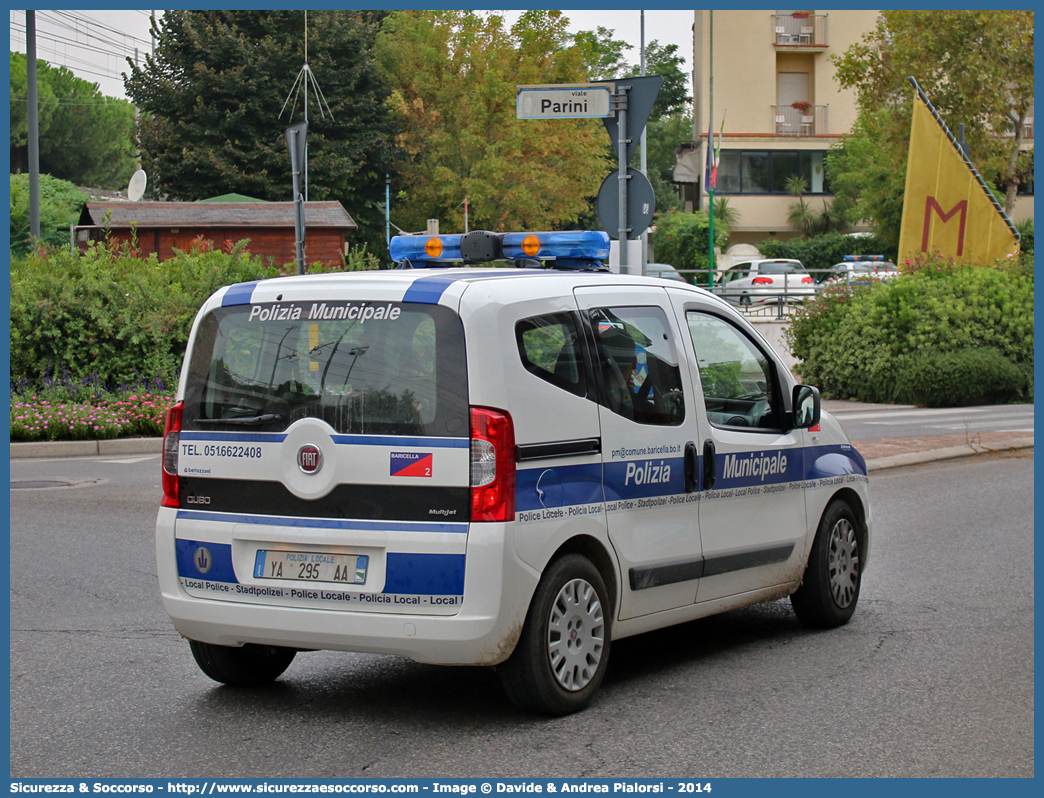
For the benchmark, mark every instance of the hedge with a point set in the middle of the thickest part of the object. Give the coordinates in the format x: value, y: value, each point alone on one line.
x: 110, y: 318
x: 682, y: 239
x: 946, y: 334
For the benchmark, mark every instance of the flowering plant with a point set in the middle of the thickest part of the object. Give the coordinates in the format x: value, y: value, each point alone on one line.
x: 803, y: 106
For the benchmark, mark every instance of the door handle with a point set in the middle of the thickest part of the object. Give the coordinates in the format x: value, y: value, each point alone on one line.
x: 691, y: 463
x: 710, y: 467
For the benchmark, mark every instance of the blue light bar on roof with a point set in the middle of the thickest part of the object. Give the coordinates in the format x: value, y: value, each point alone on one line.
x: 567, y: 245
x: 431, y: 249
x: 851, y: 258
x: 583, y: 244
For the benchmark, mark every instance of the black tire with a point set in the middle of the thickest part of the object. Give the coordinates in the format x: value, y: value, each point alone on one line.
x: 830, y: 588
x: 562, y: 655
x: 249, y: 666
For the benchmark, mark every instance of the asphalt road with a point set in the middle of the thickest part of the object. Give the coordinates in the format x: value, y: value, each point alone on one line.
x: 908, y: 422
x: 933, y: 677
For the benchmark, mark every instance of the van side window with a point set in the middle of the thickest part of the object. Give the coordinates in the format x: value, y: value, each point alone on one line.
x: 550, y: 349
x: 638, y: 364
x: 737, y: 377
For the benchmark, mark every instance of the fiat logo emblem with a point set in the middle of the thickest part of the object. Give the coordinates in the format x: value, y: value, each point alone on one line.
x: 309, y: 458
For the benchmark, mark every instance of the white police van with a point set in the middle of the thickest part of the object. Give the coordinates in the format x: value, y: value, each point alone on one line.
x: 492, y: 466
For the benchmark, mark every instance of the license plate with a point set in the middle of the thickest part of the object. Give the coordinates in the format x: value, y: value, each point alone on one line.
x: 311, y: 566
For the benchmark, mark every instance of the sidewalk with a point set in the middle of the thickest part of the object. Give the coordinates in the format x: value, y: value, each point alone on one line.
x: 878, y: 452
x: 893, y: 452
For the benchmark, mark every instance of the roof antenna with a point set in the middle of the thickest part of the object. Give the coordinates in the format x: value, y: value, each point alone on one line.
x: 304, y: 77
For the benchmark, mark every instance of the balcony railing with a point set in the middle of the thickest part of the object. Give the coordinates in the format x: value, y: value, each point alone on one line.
x: 799, y: 30
x: 790, y: 121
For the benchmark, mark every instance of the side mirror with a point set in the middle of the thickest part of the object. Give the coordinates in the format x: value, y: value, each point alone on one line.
x: 807, y: 406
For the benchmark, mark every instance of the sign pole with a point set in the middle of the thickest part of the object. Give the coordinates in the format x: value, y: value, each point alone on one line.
x: 644, y: 163
x: 621, y: 143
x: 710, y: 151
x: 34, y: 125
x: 296, y: 136
x: 624, y: 207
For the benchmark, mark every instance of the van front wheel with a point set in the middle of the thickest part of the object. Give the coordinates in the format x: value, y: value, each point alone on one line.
x: 246, y: 666
x: 563, y: 652
x: 830, y: 588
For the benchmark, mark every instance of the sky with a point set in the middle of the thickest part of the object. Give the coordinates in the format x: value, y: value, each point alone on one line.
x: 95, y: 44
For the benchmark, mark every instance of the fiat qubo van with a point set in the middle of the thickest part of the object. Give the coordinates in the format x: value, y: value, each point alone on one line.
x: 510, y: 466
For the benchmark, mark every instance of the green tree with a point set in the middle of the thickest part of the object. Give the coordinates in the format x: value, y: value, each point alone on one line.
x: 670, y: 121
x: 20, y: 107
x: 453, y: 75
x: 213, y: 96
x: 868, y: 177
x: 975, y: 66
x: 664, y: 60
x: 663, y: 136
x: 85, y: 137
x: 683, y: 240
x: 604, y: 56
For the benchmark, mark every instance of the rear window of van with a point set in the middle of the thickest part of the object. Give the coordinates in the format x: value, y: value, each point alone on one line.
x: 363, y: 367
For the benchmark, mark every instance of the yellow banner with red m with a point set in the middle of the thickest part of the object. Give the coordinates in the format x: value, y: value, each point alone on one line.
x: 947, y: 207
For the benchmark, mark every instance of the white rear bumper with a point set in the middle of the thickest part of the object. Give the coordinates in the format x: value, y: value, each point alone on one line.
x: 498, y: 589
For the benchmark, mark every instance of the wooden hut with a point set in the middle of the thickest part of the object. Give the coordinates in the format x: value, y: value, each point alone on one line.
x: 160, y: 226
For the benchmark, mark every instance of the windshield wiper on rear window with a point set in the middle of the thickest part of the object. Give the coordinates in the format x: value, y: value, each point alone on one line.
x: 246, y: 421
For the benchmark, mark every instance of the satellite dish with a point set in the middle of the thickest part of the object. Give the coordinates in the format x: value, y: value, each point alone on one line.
x: 136, y: 187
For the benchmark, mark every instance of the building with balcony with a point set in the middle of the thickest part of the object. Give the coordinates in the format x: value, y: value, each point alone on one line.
x: 783, y: 109
x: 775, y: 85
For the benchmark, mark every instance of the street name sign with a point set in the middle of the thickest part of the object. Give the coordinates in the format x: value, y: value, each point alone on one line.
x: 564, y: 101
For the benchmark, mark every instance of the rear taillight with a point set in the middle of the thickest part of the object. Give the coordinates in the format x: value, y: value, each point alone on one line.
x: 171, y: 442
x: 762, y: 281
x: 807, y: 280
x: 492, y: 465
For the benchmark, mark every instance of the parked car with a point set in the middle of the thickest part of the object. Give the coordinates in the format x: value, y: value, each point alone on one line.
x: 861, y: 269
x: 664, y: 271
x: 765, y: 280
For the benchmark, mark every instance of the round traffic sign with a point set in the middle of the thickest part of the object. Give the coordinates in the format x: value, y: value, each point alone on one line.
x: 641, y: 203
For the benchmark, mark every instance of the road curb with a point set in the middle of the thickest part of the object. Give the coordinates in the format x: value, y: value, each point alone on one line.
x: 86, y: 448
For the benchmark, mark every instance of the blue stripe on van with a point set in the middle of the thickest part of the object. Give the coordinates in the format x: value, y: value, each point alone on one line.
x: 428, y: 290
x: 239, y: 294
x: 351, y: 440
x: 833, y: 461
x: 751, y: 467
x: 413, y: 574
x: 561, y: 486
x: 237, y: 437
x: 393, y: 440
x: 322, y: 523
x: 217, y: 559
x: 639, y: 479
x: 431, y: 574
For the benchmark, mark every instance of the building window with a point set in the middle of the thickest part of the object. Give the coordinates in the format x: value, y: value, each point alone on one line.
x: 767, y: 172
